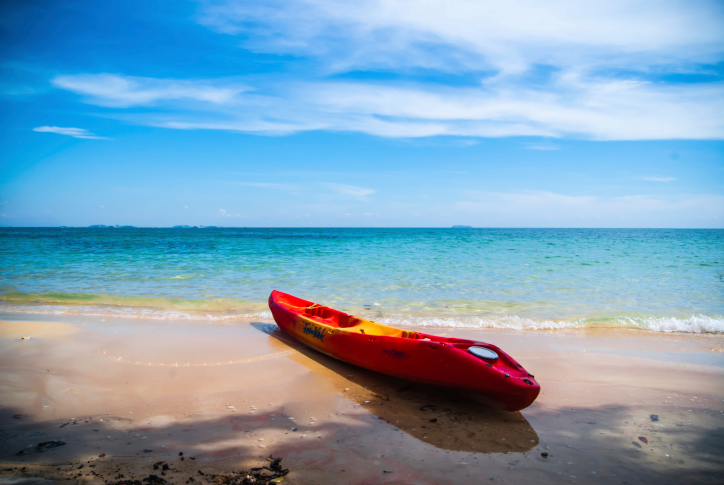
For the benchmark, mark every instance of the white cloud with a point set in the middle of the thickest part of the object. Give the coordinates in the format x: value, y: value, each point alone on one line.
x: 659, y: 179
x: 224, y: 213
x: 573, y: 107
x: 74, y: 132
x: 353, y: 191
x: 560, y: 69
x: 547, y: 209
x: 589, y: 108
x: 542, y: 147
x: 340, y: 189
x: 123, y: 91
x: 272, y: 186
x: 508, y: 37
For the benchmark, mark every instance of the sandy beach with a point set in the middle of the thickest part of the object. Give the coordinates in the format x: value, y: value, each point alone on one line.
x: 544, y: 177
x: 104, y: 400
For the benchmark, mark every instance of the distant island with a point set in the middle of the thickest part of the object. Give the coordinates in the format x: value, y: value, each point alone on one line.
x: 462, y: 227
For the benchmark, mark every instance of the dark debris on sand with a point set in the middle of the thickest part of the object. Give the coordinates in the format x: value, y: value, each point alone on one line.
x: 274, y: 473
x: 149, y: 480
x: 47, y: 445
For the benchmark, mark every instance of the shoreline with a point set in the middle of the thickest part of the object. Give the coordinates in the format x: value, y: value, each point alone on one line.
x: 246, y: 387
x: 428, y: 319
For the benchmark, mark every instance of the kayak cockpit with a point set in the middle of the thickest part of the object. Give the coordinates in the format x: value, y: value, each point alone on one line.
x: 334, y: 318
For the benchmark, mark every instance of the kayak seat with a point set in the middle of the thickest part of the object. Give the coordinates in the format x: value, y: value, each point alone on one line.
x: 319, y: 311
x: 367, y: 327
x: 412, y: 335
x: 341, y: 320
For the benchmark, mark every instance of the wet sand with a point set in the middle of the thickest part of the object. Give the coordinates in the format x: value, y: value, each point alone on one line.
x: 122, y: 395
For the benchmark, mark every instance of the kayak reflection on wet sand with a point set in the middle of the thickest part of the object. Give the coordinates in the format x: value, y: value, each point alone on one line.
x: 433, y: 415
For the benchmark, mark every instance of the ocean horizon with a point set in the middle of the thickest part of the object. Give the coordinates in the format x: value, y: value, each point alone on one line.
x: 200, y: 226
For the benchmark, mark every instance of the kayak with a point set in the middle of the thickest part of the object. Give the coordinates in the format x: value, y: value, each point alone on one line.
x: 479, y: 370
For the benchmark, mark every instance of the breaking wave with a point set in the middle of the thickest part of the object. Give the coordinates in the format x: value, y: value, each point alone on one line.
x: 506, y: 321
x: 694, y: 323
x: 668, y: 324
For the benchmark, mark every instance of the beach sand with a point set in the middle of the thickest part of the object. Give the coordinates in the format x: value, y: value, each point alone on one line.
x: 616, y: 406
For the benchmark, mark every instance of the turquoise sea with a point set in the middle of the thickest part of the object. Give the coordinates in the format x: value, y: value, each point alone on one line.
x: 656, y: 279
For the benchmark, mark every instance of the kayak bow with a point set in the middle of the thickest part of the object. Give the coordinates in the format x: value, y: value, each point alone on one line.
x: 477, y: 369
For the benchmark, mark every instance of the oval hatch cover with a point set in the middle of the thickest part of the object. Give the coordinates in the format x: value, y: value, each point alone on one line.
x: 483, y: 353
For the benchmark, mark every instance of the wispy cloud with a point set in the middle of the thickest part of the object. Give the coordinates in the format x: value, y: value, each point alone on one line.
x: 69, y: 131
x: 542, y: 147
x: 225, y: 213
x: 564, y: 69
x: 462, y: 35
x: 548, y: 209
x: 659, y: 179
x: 573, y: 107
x: 353, y: 191
x: 364, y: 214
x: 124, y: 91
x: 272, y: 186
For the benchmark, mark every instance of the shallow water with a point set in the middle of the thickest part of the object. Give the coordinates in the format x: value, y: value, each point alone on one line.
x: 658, y: 279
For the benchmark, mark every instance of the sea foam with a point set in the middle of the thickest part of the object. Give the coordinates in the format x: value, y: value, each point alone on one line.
x: 687, y: 324
x: 693, y: 323
x: 513, y: 322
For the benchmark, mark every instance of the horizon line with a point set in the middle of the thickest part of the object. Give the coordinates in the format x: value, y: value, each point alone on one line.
x: 201, y: 226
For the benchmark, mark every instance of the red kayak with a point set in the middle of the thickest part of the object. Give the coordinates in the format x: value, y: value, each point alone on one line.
x: 479, y: 370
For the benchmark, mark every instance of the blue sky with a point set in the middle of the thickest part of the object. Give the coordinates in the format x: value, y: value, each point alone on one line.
x: 368, y: 113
